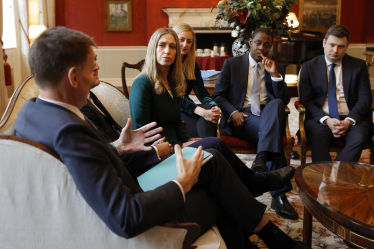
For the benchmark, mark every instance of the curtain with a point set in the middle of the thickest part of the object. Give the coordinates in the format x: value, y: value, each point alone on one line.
x: 21, y: 17
x: 49, y: 13
x: 3, y: 89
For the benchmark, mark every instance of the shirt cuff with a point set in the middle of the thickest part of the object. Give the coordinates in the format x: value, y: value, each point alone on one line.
x: 323, y: 119
x: 180, y: 186
x: 114, y: 149
x: 154, y: 147
x: 354, y: 121
x: 276, y: 79
x: 229, y: 120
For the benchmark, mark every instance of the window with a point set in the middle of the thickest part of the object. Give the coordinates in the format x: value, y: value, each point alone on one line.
x: 9, y: 30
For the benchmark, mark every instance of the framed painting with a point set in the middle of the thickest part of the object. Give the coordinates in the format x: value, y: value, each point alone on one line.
x: 118, y: 15
x: 319, y: 15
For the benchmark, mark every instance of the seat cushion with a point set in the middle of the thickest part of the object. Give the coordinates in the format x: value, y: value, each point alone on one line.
x: 234, y: 142
x: 237, y: 143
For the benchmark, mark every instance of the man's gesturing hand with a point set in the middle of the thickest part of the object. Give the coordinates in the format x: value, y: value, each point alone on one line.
x: 188, y: 169
x: 133, y: 140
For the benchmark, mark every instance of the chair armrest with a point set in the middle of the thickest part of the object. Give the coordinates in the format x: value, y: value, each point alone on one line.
x: 288, y: 132
x: 287, y: 110
x: 302, y: 111
x: 193, y: 230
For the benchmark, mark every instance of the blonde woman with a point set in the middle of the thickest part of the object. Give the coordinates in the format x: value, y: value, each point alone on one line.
x: 201, y: 119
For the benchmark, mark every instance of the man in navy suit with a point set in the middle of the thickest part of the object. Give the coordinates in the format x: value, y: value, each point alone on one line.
x: 64, y: 65
x: 252, y: 95
x: 335, y: 91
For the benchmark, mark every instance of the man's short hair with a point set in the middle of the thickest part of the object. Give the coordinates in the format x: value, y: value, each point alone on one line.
x: 55, y: 51
x: 265, y: 31
x: 339, y: 31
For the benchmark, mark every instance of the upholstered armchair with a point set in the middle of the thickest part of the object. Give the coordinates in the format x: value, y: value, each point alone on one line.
x: 241, y: 146
x: 41, y: 207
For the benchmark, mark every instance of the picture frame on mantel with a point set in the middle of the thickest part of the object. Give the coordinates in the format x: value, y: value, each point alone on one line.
x: 319, y: 15
x: 118, y: 15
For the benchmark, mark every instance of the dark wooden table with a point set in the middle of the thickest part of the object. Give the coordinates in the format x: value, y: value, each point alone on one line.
x: 340, y: 195
x: 211, y: 63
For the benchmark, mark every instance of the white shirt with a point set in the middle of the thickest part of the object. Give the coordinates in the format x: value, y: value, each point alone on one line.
x: 77, y: 112
x: 340, y: 98
x: 71, y: 108
x: 263, y: 94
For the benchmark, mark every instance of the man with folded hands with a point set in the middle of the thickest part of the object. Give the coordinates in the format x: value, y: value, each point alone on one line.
x: 335, y: 91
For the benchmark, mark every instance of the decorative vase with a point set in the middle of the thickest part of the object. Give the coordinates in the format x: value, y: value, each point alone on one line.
x: 240, y: 47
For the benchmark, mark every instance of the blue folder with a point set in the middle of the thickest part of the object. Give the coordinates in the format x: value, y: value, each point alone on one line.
x: 166, y: 170
x: 209, y: 74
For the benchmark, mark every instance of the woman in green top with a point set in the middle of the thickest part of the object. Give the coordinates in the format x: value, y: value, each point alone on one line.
x: 156, y: 93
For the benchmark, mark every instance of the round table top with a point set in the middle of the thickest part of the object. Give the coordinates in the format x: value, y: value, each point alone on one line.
x: 346, y: 189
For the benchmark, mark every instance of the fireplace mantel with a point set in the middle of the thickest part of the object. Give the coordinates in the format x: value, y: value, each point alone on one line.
x: 203, y: 20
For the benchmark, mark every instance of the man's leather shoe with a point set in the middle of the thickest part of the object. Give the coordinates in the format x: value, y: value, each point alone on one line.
x: 270, y: 181
x: 283, y: 208
x: 301, y: 245
x: 259, y: 164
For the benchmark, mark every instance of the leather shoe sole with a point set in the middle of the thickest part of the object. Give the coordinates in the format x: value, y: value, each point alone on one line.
x: 259, y: 165
x: 283, y: 208
x: 276, y: 179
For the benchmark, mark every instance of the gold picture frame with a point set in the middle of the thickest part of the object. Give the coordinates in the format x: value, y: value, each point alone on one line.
x: 319, y: 15
x: 118, y: 15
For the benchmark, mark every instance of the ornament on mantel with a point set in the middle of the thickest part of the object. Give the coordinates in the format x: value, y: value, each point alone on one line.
x: 240, y: 47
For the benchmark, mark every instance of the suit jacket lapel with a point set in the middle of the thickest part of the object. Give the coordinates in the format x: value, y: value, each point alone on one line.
x: 321, y: 69
x: 347, y: 73
x: 268, y: 86
x: 244, y: 75
x: 104, y: 110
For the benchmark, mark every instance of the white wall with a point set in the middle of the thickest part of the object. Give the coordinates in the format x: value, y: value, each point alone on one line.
x: 110, y: 60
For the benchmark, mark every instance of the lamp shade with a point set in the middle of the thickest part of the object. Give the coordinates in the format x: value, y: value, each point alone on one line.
x: 292, y: 20
x: 35, y: 31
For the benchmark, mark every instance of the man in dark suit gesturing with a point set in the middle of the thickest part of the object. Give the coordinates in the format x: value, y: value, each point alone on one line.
x: 64, y: 65
x: 335, y: 90
x: 252, y: 95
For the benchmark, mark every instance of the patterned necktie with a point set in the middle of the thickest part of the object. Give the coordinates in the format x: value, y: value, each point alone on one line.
x: 255, y: 94
x: 333, y: 104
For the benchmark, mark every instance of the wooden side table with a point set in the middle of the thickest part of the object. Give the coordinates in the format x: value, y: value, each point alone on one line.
x: 340, y: 195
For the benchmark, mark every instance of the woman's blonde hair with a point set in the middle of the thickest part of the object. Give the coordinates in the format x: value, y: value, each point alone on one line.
x: 189, y: 59
x: 176, y: 79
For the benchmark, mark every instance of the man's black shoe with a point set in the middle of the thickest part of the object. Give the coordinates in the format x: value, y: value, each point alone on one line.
x: 259, y: 164
x: 283, y: 208
x: 301, y: 245
x: 270, y: 181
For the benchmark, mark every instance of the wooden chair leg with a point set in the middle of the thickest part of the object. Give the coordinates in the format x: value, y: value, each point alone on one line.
x: 288, y: 155
x: 302, y: 157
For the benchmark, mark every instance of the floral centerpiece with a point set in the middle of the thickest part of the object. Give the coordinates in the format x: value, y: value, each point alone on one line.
x: 244, y: 16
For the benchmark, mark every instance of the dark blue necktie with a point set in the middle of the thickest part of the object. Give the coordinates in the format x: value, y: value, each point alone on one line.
x: 333, y: 104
